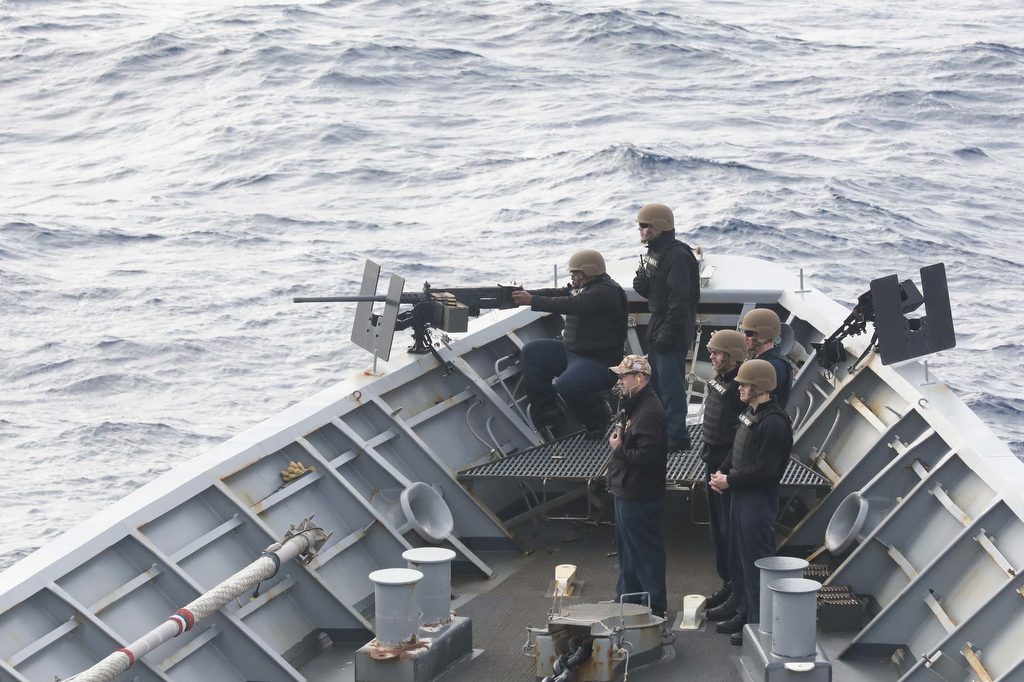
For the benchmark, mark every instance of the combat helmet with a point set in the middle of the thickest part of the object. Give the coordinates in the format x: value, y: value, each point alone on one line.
x: 763, y: 322
x: 658, y: 216
x: 758, y: 372
x: 729, y: 341
x: 590, y: 262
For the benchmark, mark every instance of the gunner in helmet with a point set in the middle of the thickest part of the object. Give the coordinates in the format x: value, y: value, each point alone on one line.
x: 669, y: 278
x: 595, y: 312
x: 752, y: 471
x: 762, y: 328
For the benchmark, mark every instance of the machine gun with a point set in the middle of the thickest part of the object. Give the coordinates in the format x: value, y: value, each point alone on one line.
x: 446, y: 309
x: 896, y: 337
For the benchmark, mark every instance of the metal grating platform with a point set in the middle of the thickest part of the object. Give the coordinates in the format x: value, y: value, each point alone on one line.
x: 569, y: 458
x: 573, y: 458
x: 686, y: 466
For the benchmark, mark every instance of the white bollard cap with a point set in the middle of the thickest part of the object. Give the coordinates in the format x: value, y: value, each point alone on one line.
x: 396, y: 576
x: 428, y: 555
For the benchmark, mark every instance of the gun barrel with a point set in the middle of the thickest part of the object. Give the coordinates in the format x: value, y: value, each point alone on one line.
x: 338, y: 299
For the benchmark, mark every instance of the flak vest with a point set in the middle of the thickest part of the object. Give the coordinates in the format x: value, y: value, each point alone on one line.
x: 720, y: 418
x: 781, y: 393
x: 744, y: 448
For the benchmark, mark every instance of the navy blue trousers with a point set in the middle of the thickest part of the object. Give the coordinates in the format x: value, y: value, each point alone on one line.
x: 579, y: 379
x: 641, y: 552
x: 718, y: 521
x: 669, y: 380
x: 751, y: 537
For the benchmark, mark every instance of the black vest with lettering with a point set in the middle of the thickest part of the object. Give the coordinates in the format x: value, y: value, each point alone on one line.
x: 744, y: 448
x: 781, y: 392
x: 720, y: 414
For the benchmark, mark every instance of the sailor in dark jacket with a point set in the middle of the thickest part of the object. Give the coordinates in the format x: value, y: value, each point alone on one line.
x: 761, y: 327
x: 752, y: 472
x: 722, y: 410
x: 669, y: 278
x: 636, y: 478
x: 595, y: 312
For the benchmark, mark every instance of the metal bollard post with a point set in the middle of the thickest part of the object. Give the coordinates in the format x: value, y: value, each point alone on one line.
x: 434, y: 592
x: 398, y: 616
x: 775, y: 568
x: 794, y: 604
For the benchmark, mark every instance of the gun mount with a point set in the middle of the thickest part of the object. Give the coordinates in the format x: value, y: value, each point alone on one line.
x: 896, y: 337
x: 447, y: 309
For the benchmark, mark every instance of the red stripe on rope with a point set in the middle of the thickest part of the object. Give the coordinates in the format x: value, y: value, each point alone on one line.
x: 131, y: 658
x: 189, y: 618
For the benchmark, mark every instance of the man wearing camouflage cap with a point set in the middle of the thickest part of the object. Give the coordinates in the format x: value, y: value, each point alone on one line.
x: 636, y: 478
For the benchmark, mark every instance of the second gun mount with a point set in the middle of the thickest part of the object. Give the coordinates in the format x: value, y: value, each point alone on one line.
x: 447, y: 309
x: 896, y: 336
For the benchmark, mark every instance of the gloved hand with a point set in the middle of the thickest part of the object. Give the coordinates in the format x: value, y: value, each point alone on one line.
x: 665, y: 343
x: 641, y: 284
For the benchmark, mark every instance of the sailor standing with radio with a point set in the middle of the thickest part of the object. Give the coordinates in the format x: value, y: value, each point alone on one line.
x: 669, y: 278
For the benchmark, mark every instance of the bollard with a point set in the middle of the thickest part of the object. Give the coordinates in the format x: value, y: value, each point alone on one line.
x: 434, y: 592
x: 775, y: 568
x: 794, y: 615
x: 397, y: 614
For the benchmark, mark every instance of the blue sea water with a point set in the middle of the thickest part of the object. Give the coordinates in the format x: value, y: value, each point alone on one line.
x: 171, y: 174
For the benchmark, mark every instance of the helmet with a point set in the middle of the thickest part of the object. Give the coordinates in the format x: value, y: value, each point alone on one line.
x: 589, y: 261
x: 729, y: 341
x: 658, y: 216
x: 758, y: 372
x: 633, y: 363
x: 763, y: 322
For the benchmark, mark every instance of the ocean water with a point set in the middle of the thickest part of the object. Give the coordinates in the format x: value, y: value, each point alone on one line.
x: 171, y: 174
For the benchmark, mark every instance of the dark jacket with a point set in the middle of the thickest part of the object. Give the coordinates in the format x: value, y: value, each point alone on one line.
x: 670, y: 282
x: 722, y: 410
x: 595, y: 317
x: 760, y: 453
x: 783, y: 374
x: 637, y: 468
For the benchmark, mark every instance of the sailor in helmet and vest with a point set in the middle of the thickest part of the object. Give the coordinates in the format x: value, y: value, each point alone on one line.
x: 722, y: 410
x: 594, y: 335
x: 636, y: 479
x: 752, y: 471
x: 669, y: 278
x: 762, y: 326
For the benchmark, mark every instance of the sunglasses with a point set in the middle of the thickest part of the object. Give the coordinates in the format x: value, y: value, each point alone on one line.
x: 747, y: 332
x: 646, y: 226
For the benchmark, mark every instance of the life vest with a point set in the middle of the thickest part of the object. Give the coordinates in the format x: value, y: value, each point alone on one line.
x: 720, y: 414
x: 745, y: 446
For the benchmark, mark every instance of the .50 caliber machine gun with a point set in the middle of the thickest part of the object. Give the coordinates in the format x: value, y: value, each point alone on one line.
x: 446, y: 309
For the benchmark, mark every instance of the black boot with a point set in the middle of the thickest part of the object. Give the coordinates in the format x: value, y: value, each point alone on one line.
x: 545, y: 415
x: 724, y: 611
x: 719, y: 597
x: 728, y: 627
